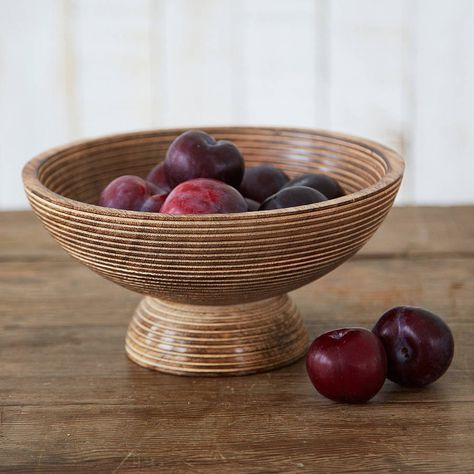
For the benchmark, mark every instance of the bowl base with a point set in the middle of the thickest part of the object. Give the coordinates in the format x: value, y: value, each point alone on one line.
x: 216, y: 340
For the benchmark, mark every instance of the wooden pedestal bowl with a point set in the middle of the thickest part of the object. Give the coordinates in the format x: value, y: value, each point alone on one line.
x: 215, y: 285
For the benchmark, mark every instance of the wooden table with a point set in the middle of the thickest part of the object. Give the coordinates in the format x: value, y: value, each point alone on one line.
x: 70, y: 401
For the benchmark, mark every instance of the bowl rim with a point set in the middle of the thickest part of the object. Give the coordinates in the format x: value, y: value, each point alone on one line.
x: 32, y: 184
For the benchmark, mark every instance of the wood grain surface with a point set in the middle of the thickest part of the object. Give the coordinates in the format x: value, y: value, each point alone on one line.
x: 70, y: 400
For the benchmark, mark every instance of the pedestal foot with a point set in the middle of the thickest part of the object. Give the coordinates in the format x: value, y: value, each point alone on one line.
x: 216, y: 340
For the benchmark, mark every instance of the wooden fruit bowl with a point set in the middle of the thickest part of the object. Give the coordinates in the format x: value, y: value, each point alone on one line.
x: 215, y: 285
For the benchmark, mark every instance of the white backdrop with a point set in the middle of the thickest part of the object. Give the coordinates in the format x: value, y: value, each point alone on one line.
x: 398, y: 71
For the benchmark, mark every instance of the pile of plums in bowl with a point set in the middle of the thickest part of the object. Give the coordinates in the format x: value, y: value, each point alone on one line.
x: 408, y: 345
x: 203, y: 176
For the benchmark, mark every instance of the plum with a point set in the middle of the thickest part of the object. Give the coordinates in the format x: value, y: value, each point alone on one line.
x: 418, y: 343
x: 293, y: 196
x: 252, y: 205
x: 320, y: 182
x: 195, y: 154
x: 262, y: 181
x: 127, y: 192
x: 347, y: 365
x: 204, y: 196
x: 158, y: 177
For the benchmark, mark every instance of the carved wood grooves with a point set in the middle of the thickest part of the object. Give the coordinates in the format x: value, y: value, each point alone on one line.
x: 221, y: 259
x: 216, y: 340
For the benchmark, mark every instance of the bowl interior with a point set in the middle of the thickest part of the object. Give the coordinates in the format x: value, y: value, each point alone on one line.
x: 81, y: 174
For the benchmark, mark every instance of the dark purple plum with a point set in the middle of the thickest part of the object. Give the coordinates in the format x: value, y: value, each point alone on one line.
x: 419, y: 345
x: 262, y: 181
x: 204, y: 196
x: 195, y: 154
x: 294, y: 196
x: 347, y: 365
x: 155, y: 202
x: 127, y: 192
x: 320, y: 182
x: 253, y: 205
x: 158, y: 177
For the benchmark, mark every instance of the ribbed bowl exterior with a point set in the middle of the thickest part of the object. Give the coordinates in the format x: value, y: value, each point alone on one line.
x: 214, y: 259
